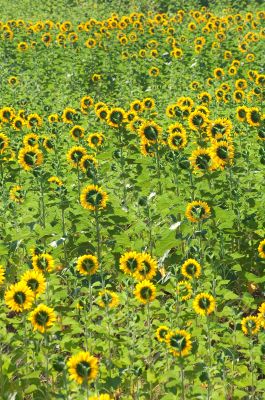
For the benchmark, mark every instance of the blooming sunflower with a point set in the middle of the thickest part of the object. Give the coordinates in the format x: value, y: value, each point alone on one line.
x: 261, y: 315
x: 75, y: 154
x: 30, y: 158
x: 197, y: 120
x: 87, y: 264
x: 19, y: 297
x: 218, y: 73
x: 148, y: 103
x: 83, y: 367
x: 250, y: 325
x: 7, y: 114
x: 197, y: 211
x: 95, y: 140
x: 4, y: 142
x: 153, y: 71
x: 222, y: 153
x: 54, y: 180
x: 43, y: 262
x: 147, y: 269
x: 205, y: 97
x: 18, y: 123
x: 86, y: 102
x: 130, y: 262
x: 68, y: 115
x: 145, y: 291
x: 137, y: 106
x: 147, y: 148
x: 116, y: 117
x: 150, y: 131
x: 261, y: 249
x: 77, y: 132
x: 102, y: 112
x: 179, y: 342
x: 52, y: 118
x: 2, y: 274
x: 34, y: 120
x: 253, y: 116
x: 35, y: 280
x: 93, y: 198
x: 219, y: 126
x: 191, y: 269
x: 184, y: 290
x: 109, y: 299
x: 177, y: 141
x: 161, y: 333
x: 42, y: 318
x: 31, y: 140
x: 241, y: 113
x: 202, y: 160
x: 204, y: 304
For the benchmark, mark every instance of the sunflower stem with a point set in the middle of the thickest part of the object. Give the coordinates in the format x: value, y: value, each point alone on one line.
x: 252, y: 368
x: 42, y: 203
x: 158, y: 169
x: 78, y: 182
x: 210, y: 358
x: 182, y: 375
x: 98, y: 236
x: 122, y: 163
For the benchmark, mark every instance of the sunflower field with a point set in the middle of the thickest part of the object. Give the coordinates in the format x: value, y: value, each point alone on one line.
x: 132, y: 223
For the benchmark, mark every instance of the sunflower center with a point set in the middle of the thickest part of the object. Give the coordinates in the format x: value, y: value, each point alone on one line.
x: 204, y: 303
x: 162, y: 333
x: 33, y: 284
x: 178, y: 341
x: 151, y: 133
x: 202, y: 161
x: 222, y: 152
x: 255, y: 116
x: 42, y: 317
x: 146, y: 293
x: 19, y: 298
x: 88, y: 264
x: 198, y: 211
x: 177, y: 141
x: 42, y: 263
x: 83, y: 369
x: 116, y: 117
x: 146, y: 268
x: 191, y: 269
x: 132, y: 264
x: 106, y: 298
x: 30, y: 158
x: 94, y: 139
x: 77, y: 155
x: 94, y: 198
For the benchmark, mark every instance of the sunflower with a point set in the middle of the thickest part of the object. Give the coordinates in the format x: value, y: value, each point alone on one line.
x: 88, y: 164
x: 83, y: 367
x: 153, y: 71
x: 147, y: 268
x: 173, y: 110
x: 218, y: 126
x: 197, y: 211
x: 222, y: 153
x: 86, y: 102
x: 137, y: 106
x: 93, y: 198
x: 2, y: 274
x: 161, y: 333
x: 253, y: 116
x: 184, y: 290
x: 148, y: 103
x: 12, y: 80
x: 7, y: 114
x: 261, y: 249
x: 77, y: 132
x: 177, y: 127
x: 35, y: 280
x: 31, y: 140
x: 22, y: 46
x: 108, y: 299
x: 95, y: 140
x: 250, y: 325
x: 205, y: 97
x: 145, y: 291
x: 43, y: 262
x: 177, y: 141
x: 116, y: 117
x: 197, y: 120
x: 16, y: 194
x: 68, y: 115
x: 54, y: 180
x: 218, y: 73
x: 261, y: 315
x: 150, y: 131
x: 102, y: 112
x: 202, y: 160
x: 96, y: 77
x: 42, y: 318
x: 19, y: 297
x: 87, y: 265
x: 4, y: 142
x: 17, y: 123
x: 191, y: 269
x: 75, y: 154
x: 103, y: 396
x: 30, y: 158
x: 131, y: 262
x: 179, y: 342
x: 147, y: 148
x: 204, y: 304
x: 241, y: 113
x: 34, y: 120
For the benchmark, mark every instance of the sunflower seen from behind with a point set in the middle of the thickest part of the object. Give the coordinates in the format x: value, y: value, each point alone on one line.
x: 83, y: 367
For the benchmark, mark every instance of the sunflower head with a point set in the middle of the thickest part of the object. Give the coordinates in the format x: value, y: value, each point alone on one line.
x: 179, y: 342
x: 93, y: 198
x: 108, y: 299
x: 197, y: 211
x: 83, y: 367
x: 87, y: 265
x: 147, y: 269
x: 204, y: 304
x: 191, y: 269
x: 42, y: 318
x: 145, y: 291
x: 161, y: 333
x: 35, y: 280
x: 19, y: 297
x: 250, y: 325
x: 150, y: 131
x: 116, y: 117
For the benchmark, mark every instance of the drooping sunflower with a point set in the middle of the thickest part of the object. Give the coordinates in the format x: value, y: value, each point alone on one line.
x: 191, y: 269
x: 19, y: 297
x: 68, y: 115
x: 43, y: 262
x: 179, y: 342
x: 204, y: 304
x: 83, y: 367
x: 184, y: 290
x: 147, y: 269
x: 145, y: 291
x: 4, y: 142
x: 35, y: 280
x: 130, y: 262
x: 93, y: 198
x: 197, y: 211
x: 116, y: 117
x: 223, y: 153
x: 108, y: 299
x: 150, y: 131
x: 87, y: 264
x: 16, y: 194
x: 2, y: 274
x: 161, y: 333
x: 202, y: 160
x: 250, y: 325
x: 75, y: 154
x: 42, y: 318
x: 30, y: 158
x: 95, y: 140
x: 253, y: 116
x: 177, y: 141
x: 77, y: 132
x: 261, y: 249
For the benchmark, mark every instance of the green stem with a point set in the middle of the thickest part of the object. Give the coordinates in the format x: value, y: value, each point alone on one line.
x: 182, y: 381
x: 158, y: 169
